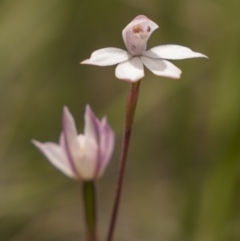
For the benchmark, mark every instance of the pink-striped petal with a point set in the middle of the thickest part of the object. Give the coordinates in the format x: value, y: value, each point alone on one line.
x: 56, y: 156
x: 106, y: 145
x: 70, y: 141
x: 99, y: 142
x: 92, y: 125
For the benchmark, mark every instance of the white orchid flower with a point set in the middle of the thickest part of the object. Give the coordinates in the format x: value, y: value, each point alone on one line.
x: 130, y: 63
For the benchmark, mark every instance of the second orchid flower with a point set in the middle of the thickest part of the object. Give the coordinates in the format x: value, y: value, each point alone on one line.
x: 83, y: 157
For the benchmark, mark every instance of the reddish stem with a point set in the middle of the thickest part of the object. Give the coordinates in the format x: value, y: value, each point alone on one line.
x: 130, y: 111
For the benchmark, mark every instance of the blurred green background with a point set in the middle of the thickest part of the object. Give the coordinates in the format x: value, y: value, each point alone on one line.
x: 183, y: 175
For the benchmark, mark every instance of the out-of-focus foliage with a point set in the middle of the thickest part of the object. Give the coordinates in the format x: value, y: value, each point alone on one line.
x: 183, y: 176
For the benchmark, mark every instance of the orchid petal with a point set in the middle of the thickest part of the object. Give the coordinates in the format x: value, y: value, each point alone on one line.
x: 92, y: 132
x: 99, y: 142
x: 107, y: 57
x: 106, y: 145
x: 172, y: 52
x: 130, y: 70
x: 56, y: 156
x: 70, y: 139
x: 162, y: 67
x: 136, y: 34
x: 92, y: 125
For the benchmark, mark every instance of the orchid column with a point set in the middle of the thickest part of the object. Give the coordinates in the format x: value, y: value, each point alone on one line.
x: 130, y: 68
x: 82, y: 157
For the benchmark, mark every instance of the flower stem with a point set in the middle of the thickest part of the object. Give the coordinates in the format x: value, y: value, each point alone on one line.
x: 89, y: 198
x: 130, y: 111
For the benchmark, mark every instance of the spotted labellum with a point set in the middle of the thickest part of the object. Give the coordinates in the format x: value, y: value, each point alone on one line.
x: 137, y: 33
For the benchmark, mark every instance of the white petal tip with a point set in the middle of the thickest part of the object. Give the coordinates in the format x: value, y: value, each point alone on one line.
x: 87, y: 107
x: 199, y: 55
x: 36, y: 143
x: 88, y: 111
x: 130, y: 80
x: 204, y: 56
x: 39, y: 145
x: 104, y: 120
x: 174, y: 77
x: 133, y: 80
x: 66, y: 112
x: 86, y: 61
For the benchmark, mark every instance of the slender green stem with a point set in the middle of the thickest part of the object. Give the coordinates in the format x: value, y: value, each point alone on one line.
x: 130, y: 111
x: 89, y: 198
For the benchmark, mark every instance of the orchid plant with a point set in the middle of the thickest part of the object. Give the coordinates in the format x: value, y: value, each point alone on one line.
x: 84, y: 157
